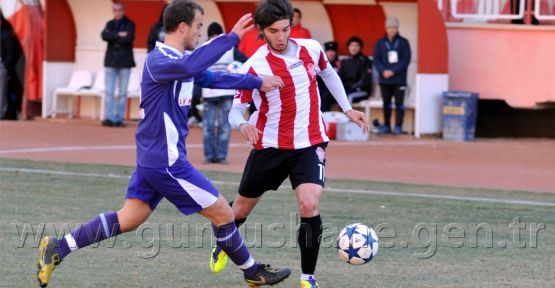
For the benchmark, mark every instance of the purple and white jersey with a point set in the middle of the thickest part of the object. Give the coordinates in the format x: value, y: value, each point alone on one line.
x: 166, y: 93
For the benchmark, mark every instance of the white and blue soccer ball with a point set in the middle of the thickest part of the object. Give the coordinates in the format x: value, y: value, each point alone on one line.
x: 234, y: 67
x: 357, y: 244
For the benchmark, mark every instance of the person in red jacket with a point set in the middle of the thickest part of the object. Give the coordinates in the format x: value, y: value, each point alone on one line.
x: 297, y: 30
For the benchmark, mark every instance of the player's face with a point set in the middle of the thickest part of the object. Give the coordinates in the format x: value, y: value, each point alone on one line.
x: 277, y: 35
x: 192, y: 33
x: 354, y: 48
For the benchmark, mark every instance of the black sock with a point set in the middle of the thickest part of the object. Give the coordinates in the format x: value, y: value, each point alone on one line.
x: 308, y: 237
x: 238, y: 222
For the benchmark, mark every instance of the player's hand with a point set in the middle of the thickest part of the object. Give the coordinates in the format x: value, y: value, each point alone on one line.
x: 243, y: 25
x: 250, y: 132
x: 122, y: 34
x: 359, y: 118
x: 270, y: 83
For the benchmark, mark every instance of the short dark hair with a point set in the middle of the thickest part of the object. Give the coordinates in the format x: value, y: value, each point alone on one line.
x: 180, y: 11
x: 214, y: 29
x: 356, y: 40
x: 297, y: 10
x: 269, y: 11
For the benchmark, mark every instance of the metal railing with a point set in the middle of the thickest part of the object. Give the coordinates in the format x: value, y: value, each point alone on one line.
x: 486, y: 10
x: 549, y: 5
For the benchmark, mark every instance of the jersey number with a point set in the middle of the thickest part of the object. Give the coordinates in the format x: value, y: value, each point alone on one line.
x: 322, y: 169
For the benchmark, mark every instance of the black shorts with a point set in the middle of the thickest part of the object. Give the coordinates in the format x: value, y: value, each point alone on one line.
x: 266, y: 169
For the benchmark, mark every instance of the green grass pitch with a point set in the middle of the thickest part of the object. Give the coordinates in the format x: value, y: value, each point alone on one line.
x: 466, y: 241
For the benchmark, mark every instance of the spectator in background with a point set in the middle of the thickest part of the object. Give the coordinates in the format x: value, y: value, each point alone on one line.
x: 356, y: 72
x: 392, y: 57
x: 297, y: 30
x: 157, y: 32
x: 326, y: 97
x: 11, y: 89
x: 217, y: 103
x: 251, y: 42
x: 119, y: 33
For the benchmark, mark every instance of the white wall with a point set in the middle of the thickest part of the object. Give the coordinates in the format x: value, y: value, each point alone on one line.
x: 315, y: 18
x: 429, y: 101
x: 55, y: 74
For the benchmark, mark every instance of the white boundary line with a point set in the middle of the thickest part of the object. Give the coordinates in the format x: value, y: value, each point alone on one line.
x: 233, y: 145
x: 336, y: 190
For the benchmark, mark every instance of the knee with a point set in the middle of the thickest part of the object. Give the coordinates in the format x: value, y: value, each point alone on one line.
x: 127, y: 224
x: 241, y: 211
x: 309, y: 207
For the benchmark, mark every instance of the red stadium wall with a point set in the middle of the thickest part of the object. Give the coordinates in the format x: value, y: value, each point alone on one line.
x: 144, y: 14
x: 60, y: 32
x: 232, y: 11
x: 433, y: 50
x: 365, y: 21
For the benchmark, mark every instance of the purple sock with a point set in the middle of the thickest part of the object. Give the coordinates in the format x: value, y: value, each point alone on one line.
x: 229, y: 239
x: 101, y: 227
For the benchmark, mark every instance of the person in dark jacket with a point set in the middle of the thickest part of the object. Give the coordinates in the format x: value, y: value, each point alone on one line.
x: 11, y: 93
x: 119, y: 33
x: 356, y: 72
x: 326, y: 98
x: 157, y: 32
x: 392, y: 57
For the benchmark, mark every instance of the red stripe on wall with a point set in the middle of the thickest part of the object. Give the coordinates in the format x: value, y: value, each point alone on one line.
x: 286, y: 130
x: 145, y: 14
x: 364, y: 21
x: 314, y: 133
x: 61, y: 33
x: 433, y: 52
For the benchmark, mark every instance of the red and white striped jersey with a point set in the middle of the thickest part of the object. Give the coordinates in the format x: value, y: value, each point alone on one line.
x: 289, y: 118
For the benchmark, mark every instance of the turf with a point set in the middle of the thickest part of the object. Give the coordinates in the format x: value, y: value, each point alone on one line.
x: 151, y: 258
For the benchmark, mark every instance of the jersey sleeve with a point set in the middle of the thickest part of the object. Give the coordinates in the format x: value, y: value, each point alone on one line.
x: 321, y: 59
x: 164, y: 67
x: 244, y: 96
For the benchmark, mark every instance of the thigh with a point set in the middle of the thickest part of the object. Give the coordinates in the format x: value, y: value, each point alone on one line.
x: 387, y: 93
x: 208, y: 113
x: 308, y: 166
x: 123, y: 74
x: 185, y: 187
x: 223, y: 112
x: 265, y: 170
x: 110, y: 76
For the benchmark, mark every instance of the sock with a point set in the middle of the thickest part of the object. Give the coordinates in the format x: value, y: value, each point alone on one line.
x: 306, y: 277
x: 238, y: 222
x: 101, y: 227
x: 309, y: 234
x: 231, y: 242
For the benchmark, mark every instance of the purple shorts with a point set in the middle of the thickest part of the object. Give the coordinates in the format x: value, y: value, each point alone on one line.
x: 183, y: 185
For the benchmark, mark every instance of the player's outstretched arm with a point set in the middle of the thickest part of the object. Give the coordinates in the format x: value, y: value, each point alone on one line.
x: 168, y: 68
x: 222, y: 80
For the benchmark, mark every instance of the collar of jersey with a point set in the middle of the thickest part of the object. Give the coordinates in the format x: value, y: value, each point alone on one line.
x: 162, y: 45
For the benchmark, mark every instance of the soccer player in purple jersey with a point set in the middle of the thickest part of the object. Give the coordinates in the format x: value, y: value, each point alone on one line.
x: 163, y: 170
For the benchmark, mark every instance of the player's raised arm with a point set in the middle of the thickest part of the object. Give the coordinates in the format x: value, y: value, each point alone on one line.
x: 167, y: 68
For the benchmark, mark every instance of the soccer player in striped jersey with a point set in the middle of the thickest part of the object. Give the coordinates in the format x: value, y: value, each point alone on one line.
x: 163, y: 170
x: 287, y: 130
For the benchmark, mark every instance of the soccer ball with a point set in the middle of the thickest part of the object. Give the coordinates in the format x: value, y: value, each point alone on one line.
x: 357, y: 244
x: 235, y: 67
